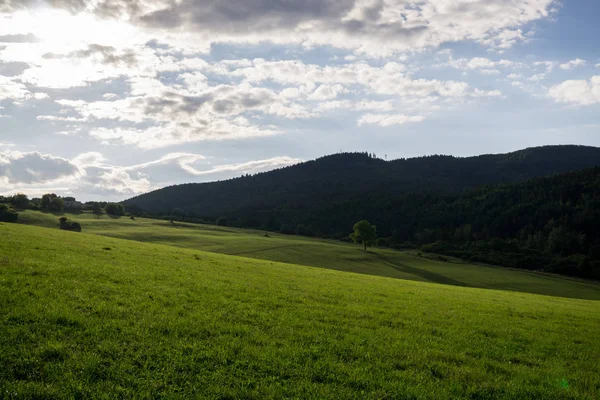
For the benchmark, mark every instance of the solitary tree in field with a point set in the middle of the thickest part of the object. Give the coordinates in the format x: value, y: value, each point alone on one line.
x: 364, y: 233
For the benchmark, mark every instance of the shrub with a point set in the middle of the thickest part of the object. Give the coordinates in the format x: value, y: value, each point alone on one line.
x: 8, y: 214
x: 383, y: 242
x: 67, y: 225
x: 222, y: 221
x: 115, y: 209
x: 287, y: 229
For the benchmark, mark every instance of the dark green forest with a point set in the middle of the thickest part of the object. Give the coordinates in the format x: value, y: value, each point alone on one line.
x: 485, y: 208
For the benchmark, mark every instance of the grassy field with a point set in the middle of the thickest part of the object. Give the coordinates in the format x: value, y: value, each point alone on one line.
x: 85, y: 316
x: 322, y: 253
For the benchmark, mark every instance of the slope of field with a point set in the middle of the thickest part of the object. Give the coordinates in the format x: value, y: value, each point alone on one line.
x: 321, y: 253
x: 85, y: 316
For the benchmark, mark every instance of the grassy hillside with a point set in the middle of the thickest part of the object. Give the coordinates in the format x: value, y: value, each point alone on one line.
x: 85, y: 316
x: 321, y: 253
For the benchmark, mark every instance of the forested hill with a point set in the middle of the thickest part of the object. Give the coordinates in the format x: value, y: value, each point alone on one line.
x: 290, y: 193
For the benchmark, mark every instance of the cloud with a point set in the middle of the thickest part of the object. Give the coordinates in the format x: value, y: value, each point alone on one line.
x: 577, y: 63
x: 102, y: 54
x: 20, y: 38
x: 34, y: 167
x: 388, y: 119
x: 390, y: 79
x: 248, y: 167
x: 328, y: 92
x: 174, y: 116
x: 92, y: 174
x: 12, y: 68
x: 577, y: 92
x: 159, y: 114
x: 482, y: 64
x: 367, y: 26
x: 12, y: 90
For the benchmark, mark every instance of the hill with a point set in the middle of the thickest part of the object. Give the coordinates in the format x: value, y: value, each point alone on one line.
x: 85, y: 316
x: 543, y: 224
x: 328, y: 254
x: 287, y: 196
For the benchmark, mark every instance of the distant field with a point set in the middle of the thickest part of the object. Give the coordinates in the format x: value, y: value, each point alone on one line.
x: 321, y: 253
x: 84, y: 316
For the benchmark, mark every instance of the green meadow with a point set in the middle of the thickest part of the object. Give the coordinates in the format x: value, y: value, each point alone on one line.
x: 86, y: 316
x: 322, y: 254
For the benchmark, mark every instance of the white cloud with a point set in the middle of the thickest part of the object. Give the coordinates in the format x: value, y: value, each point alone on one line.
x: 328, y: 92
x: 367, y: 26
x: 577, y: 92
x: 248, y: 167
x: 387, y: 80
x: 91, y: 174
x: 34, y: 167
x: 388, y: 119
x: 11, y: 90
x: 481, y: 64
x: 577, y: 63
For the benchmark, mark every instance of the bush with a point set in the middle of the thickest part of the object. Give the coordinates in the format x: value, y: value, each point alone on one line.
x: 222, y: 221
x: 8, y: 214
x: 405, y: 246
x: 115, y: 209
x: 439, y: 246
x: 383, y: 242
x: 287, y: 229
x: 67, y: 225
x: 304, y: 230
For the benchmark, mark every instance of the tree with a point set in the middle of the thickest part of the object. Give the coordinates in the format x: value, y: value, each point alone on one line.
x: 115, y: 209
x: 57, y: 204
x: 364, y: 233
x: 20, y: 201
x: 47, y: 201
x: 96, y: 208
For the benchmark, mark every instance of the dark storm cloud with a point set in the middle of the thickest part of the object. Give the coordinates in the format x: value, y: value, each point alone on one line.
x: 34, y: 167
x: 108, y: 54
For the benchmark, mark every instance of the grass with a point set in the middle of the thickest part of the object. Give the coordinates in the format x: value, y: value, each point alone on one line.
x: 85, y: 316
x: 323, y: 254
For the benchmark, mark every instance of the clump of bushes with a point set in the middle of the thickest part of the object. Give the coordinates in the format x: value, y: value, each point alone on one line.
x: 8, y: 214
x: 222, y: 221
x: 67, y: 225
x: 115, y: 209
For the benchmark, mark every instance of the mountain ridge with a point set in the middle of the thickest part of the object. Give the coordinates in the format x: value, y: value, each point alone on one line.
x: 342, y: 175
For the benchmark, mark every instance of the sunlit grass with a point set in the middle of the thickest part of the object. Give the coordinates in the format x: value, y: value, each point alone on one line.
x: 84, y: 316
x: 321, y: 253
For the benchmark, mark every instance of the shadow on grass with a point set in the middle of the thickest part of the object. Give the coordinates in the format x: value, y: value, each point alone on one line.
x: 427, y: 275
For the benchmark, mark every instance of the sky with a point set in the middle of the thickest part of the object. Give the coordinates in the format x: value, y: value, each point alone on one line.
x: 108, y: 99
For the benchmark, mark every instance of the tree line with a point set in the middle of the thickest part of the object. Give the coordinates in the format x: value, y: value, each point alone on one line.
x: 547, y: 224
